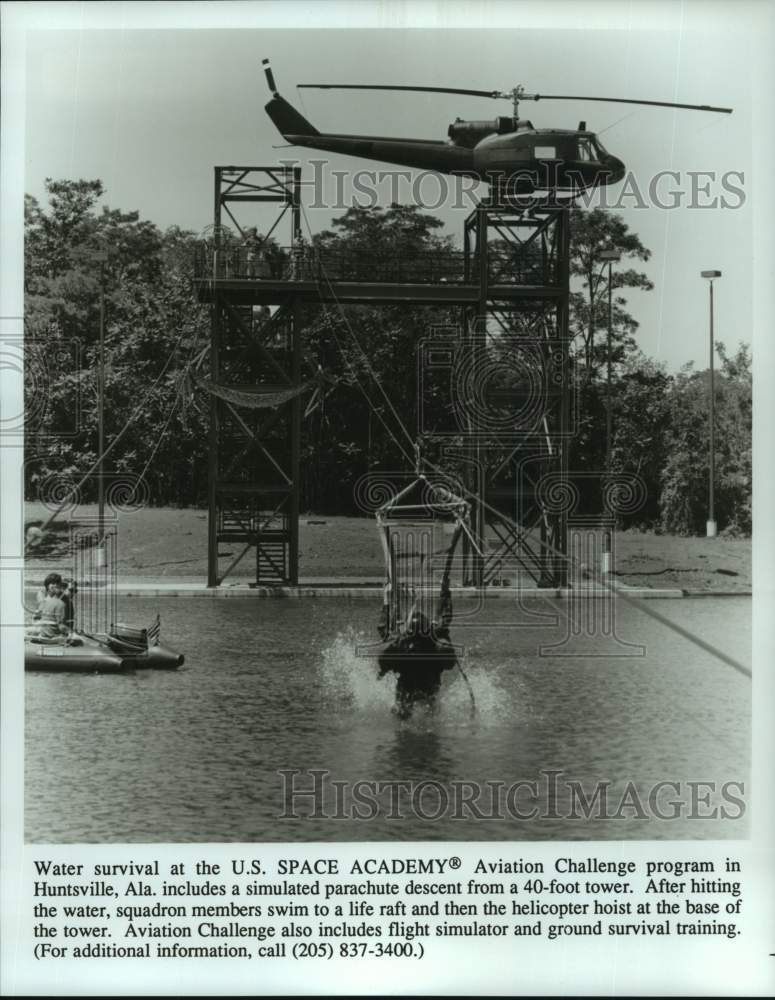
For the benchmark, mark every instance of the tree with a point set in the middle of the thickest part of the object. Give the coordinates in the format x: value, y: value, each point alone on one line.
x: 640, y: 422
x: 371, y: 419
x: 592, y: 232
x: 153, y: 323
x: 156, y: 329
x: 684, y: 492
x: 50, y: 236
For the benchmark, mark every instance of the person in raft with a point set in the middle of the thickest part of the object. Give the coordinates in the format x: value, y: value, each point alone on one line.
x: 67, y: 591
x: 51, y: 615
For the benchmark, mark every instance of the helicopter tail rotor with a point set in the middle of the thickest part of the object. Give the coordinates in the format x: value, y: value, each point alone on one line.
x: 269, y: 77
x: 288, y: 121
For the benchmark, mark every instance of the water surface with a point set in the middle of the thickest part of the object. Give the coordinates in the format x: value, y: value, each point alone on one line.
x: 273, y: 685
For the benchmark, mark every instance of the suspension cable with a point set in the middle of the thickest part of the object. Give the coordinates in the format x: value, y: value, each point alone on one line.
x: 363, y: 353
x: 74, y: 490
x: 639, y: 604
x: 569, y: 560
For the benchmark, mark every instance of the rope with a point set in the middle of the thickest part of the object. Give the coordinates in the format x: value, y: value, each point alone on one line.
x: 468, y: 685
x: 182, y: 387
x: 365, y: 358
x: 638, y: 604
x: 365, y: 394
x: 112, y: 444
x: 178, y: 397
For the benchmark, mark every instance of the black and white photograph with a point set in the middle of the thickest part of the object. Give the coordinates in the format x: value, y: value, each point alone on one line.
x: 378, y: 479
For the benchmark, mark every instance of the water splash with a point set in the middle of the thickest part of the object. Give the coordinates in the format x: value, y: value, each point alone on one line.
x: 497, y: 689
x: 349, y: 679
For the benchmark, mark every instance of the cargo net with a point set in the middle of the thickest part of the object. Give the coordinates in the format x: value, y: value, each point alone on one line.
x: 420, y: 530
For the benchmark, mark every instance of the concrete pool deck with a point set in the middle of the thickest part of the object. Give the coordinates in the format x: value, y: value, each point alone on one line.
x: 370, y: 588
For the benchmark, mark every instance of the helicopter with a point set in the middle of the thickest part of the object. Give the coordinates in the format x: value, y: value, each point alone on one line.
x: 507, y: 151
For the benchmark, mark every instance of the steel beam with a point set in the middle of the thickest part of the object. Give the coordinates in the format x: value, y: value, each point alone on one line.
x: 246, y: 510
x: 266, y: 291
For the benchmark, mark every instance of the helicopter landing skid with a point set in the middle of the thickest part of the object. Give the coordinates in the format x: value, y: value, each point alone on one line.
x: 503, y: 198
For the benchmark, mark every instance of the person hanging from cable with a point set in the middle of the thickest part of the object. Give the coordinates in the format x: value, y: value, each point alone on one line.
x: 414, y: 623
x: 418, y: 660
x: 444, y: 613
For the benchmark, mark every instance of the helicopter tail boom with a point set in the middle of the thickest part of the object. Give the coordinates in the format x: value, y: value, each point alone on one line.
x: 287, y: 119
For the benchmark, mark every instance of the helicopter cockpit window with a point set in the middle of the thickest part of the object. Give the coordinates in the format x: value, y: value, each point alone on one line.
x: 587, y: 150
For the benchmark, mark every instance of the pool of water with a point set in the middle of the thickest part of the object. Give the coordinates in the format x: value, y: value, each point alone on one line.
x: 560, y: 700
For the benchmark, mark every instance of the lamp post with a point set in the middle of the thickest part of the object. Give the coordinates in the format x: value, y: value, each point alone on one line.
x: 611, y: 257
x: 100, y: 258
x: 710, y: 527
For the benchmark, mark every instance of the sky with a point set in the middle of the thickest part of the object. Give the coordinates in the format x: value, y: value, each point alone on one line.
x: 151, y: 111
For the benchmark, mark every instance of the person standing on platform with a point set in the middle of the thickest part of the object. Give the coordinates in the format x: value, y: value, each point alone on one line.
x: 252, y: 252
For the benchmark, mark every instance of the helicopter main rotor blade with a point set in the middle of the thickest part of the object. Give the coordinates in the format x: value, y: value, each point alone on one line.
x: 624, y: 100
x: 427, y: 90
x: 518, y: 94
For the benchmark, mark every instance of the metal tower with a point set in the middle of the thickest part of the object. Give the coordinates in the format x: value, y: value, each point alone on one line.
x: 511, y: 282
x: 254, y: 452
x: 517, y: 386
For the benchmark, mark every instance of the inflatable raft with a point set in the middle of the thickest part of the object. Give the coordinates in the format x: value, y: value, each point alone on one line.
x: 123, y: 650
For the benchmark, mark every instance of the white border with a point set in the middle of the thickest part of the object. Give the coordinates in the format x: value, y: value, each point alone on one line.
x: 754, y: 22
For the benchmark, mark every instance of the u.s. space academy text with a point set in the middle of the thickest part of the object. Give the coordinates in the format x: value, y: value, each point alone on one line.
x: 322, y: 908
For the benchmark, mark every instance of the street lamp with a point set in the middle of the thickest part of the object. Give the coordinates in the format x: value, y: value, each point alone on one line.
x: 710, y: 527
x: 100, y: 257
x: 612, y: 257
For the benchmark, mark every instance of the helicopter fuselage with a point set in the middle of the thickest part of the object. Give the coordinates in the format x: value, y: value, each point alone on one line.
x: 547, y: 158
x: 503, y: 151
